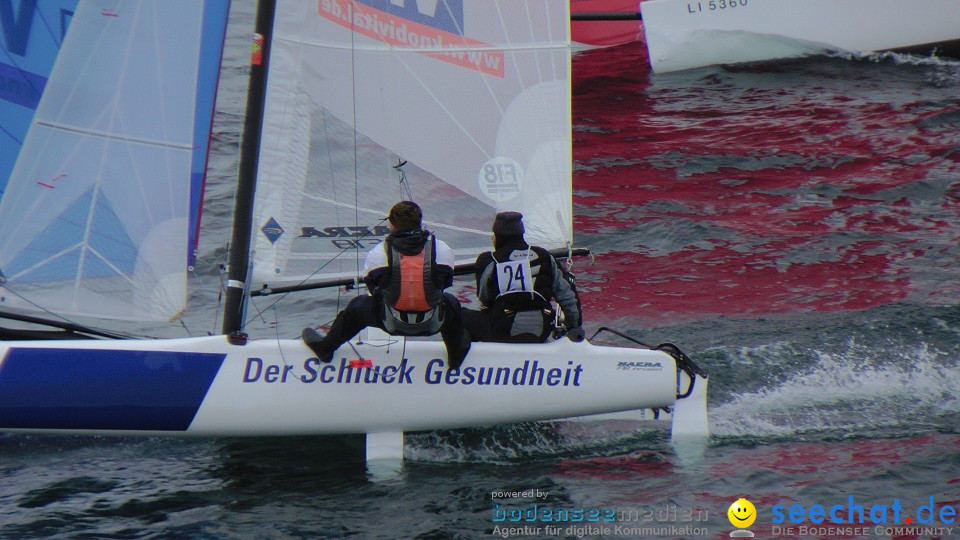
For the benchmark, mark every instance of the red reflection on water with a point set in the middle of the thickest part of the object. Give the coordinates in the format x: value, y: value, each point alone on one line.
x: 646, y: 464
x: 720, y: 194
x: 825, y: 463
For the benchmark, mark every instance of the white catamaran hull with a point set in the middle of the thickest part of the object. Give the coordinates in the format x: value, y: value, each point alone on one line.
x: 206, y: 386
x: 685, y: 34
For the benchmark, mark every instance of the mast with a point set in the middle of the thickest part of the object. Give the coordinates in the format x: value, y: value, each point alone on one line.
x: 239, y: 259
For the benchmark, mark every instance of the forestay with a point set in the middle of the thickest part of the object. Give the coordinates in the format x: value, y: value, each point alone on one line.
x: 100, y: 210
x: 474, y: 95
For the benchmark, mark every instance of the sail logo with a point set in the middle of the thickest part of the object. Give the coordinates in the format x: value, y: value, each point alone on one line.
x: 16, y: 30
x: 420, y: 25
x: 16, y: 25
x: 18, y: 85
x: 361, y: 231
x: 359, y: 237
x: 639, y: 366
x: 448, y: 16
x: 272, y: 230
x: 501, y: 178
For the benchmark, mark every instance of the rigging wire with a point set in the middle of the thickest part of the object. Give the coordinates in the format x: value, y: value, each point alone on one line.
x: 405, y: 192
x: 54, y: 316
x: 184, y: 326
x: 222, y: 271
x: 283, y: 296
x: 204, y: 285
x: 276, y: 328
x: 356, y: 151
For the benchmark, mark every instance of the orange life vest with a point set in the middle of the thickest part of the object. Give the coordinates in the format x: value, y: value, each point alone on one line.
x: 411, y: 299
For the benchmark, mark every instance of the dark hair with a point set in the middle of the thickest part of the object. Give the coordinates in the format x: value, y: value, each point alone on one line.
x: 406, y: 215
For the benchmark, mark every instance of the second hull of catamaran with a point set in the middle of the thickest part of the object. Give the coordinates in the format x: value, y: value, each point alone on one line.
x: 685, y: 34
x: 208, y: 386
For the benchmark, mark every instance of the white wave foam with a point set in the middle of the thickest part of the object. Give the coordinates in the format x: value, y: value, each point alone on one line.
x: 847, y: 393
x: 908, y: 59
x: 530, y: 440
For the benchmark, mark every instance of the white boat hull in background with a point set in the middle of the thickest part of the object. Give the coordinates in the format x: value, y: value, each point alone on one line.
x: 686, y: 34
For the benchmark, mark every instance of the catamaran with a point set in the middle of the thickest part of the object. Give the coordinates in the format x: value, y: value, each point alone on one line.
x: 352, y: 105
x: 686, y: 34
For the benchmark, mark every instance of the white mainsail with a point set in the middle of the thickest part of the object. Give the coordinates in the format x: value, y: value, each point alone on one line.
x: 474, y: 95
x: 98, y: 213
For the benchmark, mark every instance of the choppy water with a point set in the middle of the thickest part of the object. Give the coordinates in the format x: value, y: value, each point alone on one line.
x: 795, y: 227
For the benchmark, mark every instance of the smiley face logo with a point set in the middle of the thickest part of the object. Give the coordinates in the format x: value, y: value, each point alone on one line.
x: 742, y: 513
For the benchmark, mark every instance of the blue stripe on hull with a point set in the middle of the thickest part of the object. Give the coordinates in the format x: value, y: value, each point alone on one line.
x: 103, y: 389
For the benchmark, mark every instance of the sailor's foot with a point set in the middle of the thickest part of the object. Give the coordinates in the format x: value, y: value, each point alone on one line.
x: 455, y: 359
x: 312, y: 338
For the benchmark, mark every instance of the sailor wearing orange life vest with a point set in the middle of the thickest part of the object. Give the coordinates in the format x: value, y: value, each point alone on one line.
x: 405, y: 275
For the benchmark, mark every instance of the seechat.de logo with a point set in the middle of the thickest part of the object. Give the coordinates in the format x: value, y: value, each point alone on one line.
x: 742, y: 514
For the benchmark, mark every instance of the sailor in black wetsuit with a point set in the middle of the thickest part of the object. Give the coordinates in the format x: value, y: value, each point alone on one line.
x: 515, y: 284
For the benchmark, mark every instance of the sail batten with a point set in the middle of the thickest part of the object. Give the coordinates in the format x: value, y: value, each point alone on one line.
x: 186, y: 145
